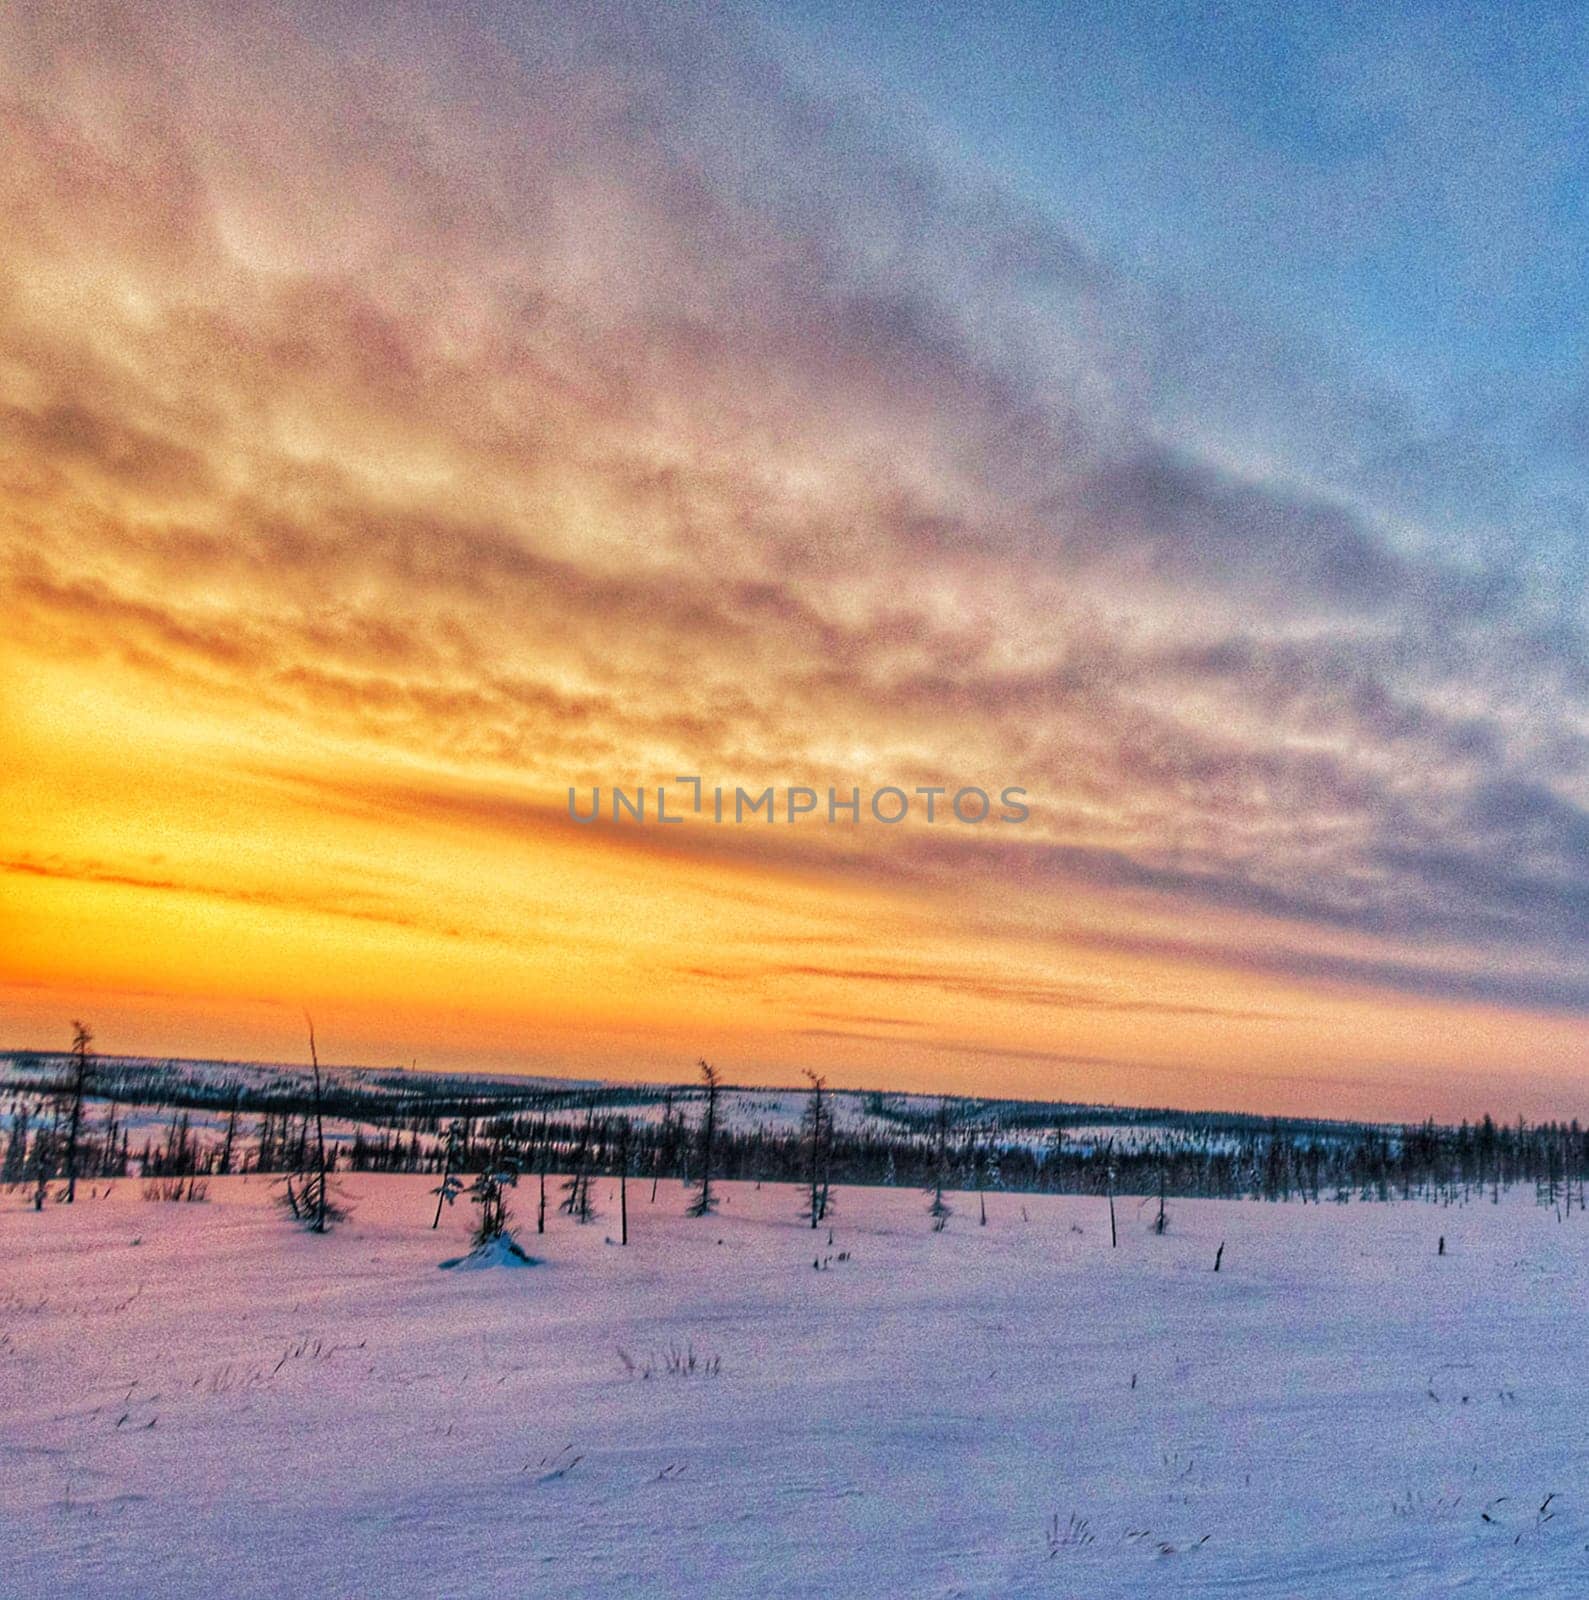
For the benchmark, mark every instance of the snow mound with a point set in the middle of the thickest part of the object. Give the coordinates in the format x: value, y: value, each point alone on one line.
x: 503, y: 1251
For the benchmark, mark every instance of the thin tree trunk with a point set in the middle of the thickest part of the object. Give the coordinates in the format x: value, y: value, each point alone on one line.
x: 80, y: 1043
x: 231, y: 1135
x: 1109, y: 1173
x: 441, y: 1193
x: 703, y: 1203
x: 320, y: 1133
x: 623, y: 1186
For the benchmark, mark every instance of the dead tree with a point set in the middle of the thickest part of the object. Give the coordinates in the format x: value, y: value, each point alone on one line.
x: 309, y: 1197
x: 1114, y: 1236
x: 665, y: 1134
x: 940, y: 1210
x: 576, y: 1189
x: 109, y: 1148
x: 705, y: 1201
x: 623, y: 1181
x: 81, y: 1040
x: 231, y: 1135
x: 816, y: 1117
x: 321, y: 1200
x: 451, y: 1186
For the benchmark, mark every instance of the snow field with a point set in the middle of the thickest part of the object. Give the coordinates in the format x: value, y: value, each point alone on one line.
x: 198, y: 1400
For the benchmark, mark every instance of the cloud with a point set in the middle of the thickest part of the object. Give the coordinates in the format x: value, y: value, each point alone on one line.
x: 1068, y: 997
x: 318, y: 903
x: 569, y: 394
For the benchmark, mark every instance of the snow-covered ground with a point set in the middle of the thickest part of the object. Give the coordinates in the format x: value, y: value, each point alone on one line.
x: 197, y: 1400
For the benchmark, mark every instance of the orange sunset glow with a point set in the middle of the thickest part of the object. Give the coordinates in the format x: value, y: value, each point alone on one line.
x: 406, y: 418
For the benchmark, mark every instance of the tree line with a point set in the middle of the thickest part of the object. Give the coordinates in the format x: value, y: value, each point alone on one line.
x: 74, y: 1127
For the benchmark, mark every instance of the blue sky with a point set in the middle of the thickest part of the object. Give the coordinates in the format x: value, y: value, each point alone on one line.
x: 1396, y: 193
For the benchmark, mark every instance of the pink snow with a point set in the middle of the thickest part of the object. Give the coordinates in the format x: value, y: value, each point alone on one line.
x: 200, y: 1400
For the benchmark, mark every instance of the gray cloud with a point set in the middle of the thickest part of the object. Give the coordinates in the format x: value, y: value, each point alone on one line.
x: 594, y: 394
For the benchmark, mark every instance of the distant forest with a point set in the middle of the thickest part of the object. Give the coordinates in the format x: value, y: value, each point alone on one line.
x: 108, y: 1119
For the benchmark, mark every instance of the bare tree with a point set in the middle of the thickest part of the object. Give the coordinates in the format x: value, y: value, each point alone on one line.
x: 82, y: 1038
x: 231, y: 1134
x: 1114, y: 1237
x: 705, y: 1201
x: 321, y: 1200
x: 940, y: 1210
x: 576, y: 1188
x: 451, y: 1185
x: 664, y: 1135
x: 816, y: 1118
x: 109, y: 1148
x: 623, y: 1180
x: 309, y: 1198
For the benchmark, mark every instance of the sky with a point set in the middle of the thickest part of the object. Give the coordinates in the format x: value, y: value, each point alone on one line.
x: 409, y: 414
